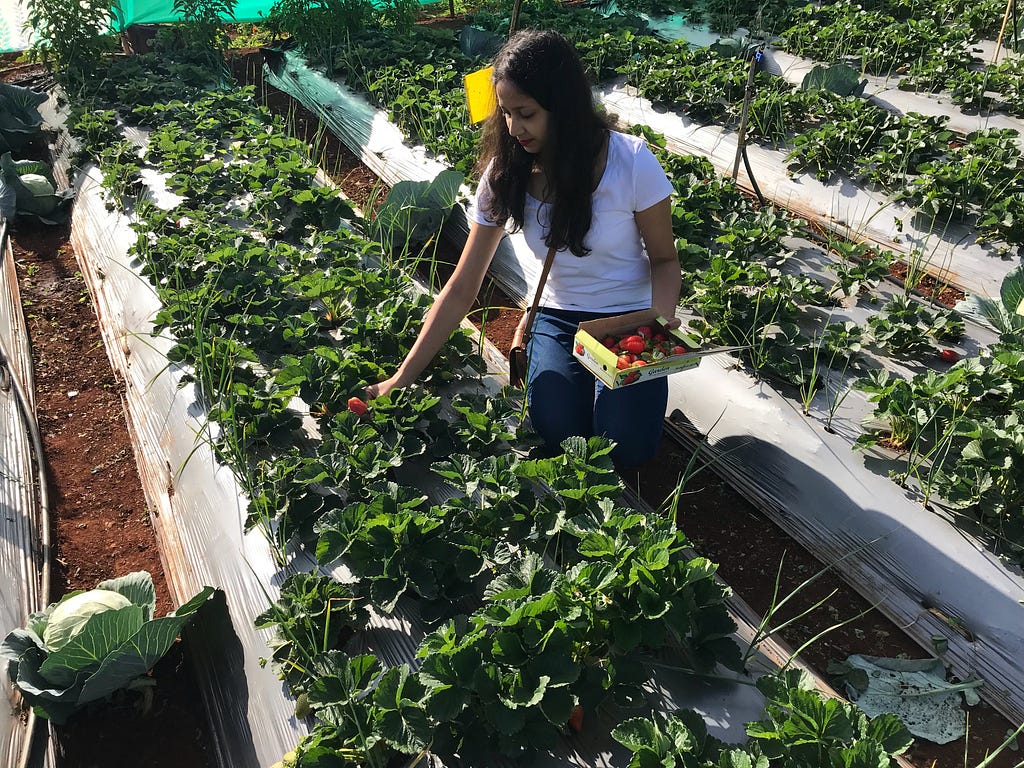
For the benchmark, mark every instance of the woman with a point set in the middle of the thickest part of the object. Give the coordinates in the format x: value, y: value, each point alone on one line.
x: 553, y: 169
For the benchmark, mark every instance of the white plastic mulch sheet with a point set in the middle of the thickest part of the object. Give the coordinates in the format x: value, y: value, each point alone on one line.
x: 885, y: 93
x: 20, y: 554
x: 927, y: 575
x: 949, y: 252
x: 197, y: 507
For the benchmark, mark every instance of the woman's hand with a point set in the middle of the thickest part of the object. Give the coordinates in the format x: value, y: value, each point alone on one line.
x: 673, y: 321
x: 448, y: 309
x: 382, y: 388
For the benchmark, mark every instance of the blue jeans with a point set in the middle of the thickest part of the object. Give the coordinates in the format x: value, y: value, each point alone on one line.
x: 565, y: 399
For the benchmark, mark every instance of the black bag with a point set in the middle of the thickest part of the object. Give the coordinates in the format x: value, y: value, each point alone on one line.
x: 517, y: 362
x: 517, y: 365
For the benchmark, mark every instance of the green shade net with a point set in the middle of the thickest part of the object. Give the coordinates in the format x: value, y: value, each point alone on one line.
x: 157, y: 11
x: 13, y: 36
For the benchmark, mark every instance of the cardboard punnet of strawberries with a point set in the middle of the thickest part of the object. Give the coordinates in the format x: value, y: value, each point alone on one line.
x: 626, y: 349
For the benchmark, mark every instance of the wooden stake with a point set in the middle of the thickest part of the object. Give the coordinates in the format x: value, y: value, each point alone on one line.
x: 514, y: 22
x: 1002, y: 28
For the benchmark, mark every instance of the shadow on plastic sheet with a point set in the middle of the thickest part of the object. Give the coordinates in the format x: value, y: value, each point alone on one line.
x: 216, y: 655
x: 911, y: 564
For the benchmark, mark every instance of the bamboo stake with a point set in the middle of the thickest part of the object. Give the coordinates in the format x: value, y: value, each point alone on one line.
x: 1002, y: 28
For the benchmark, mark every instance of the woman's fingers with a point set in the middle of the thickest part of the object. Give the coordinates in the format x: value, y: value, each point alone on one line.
x: 674, y: 323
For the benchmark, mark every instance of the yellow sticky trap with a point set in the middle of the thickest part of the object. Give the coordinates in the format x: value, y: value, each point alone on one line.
x: 480, y: 98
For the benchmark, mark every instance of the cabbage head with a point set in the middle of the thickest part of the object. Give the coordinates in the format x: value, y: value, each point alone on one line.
x: 73, y: 612
x: 27, y: 188
x: 90, y: 644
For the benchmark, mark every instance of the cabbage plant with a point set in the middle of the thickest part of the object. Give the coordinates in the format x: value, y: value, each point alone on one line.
x: 92, y: 643
x: 1005, y: 314
x: 27, y: 187
x: 20, y: 120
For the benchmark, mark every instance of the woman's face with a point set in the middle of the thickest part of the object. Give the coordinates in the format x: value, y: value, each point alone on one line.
x: 525, y: 119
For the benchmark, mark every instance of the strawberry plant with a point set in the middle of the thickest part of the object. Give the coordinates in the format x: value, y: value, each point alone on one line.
x: 905, y: 327
x: 484, y: 425
x: 398, y: 545
x: 578, y: 478
x: 879, y: 41
x: 507, y: 680
x: 313, y: 614
x: 348, y: 731
x: 287, y: 497
x: 860, y: 267
x: 494, y: 499
x: 631, y: 571
x: 801, y: 728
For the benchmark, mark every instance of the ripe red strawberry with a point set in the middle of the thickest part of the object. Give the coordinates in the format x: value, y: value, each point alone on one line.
x: 678, y: 350
x: 660, y: 337
x: 633, y: 344
x: 949, y: 356
x: 357, y: 406
x: 645, y: 331
x: 609, y: 341
x: 576, y: 718
x: 640, y: 362
x: 623, y: 362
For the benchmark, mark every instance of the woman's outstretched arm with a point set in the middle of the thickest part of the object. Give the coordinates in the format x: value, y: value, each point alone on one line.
x: 450, y: 307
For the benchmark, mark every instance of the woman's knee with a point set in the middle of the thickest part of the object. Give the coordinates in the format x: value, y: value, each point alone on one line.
x: 557, y: 410
x: 633, y: 417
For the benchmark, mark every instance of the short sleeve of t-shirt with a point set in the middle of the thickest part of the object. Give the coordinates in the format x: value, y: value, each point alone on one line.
x: 651, y: 184
x: 479, y: 211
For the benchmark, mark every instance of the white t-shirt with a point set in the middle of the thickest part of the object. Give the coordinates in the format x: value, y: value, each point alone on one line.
x: 616, y: 275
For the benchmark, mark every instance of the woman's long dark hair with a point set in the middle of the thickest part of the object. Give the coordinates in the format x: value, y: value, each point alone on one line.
x: 545, y: 66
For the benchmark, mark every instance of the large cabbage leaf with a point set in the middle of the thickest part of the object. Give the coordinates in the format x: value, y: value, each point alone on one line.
x: 415, y: 211
x: 32, y: 198
x: 113, y: 649
x: 20, y: 120
x: 1005, y: 314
